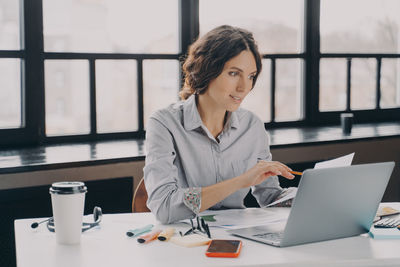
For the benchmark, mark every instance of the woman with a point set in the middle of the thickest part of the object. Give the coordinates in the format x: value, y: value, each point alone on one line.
x: 204, y: 152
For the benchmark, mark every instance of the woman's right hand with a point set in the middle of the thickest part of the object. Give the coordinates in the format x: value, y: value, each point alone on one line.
x: 258, y: 173
x: 263, y: 170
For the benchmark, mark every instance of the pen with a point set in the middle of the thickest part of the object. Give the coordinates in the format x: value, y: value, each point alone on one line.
x: 206, y: 228
x: 139, y: 231
x: 166, y: 234
x: 296, y: 173
x: 148, y: 237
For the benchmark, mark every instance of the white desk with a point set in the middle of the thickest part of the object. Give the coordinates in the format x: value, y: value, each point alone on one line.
x: 109, y: 246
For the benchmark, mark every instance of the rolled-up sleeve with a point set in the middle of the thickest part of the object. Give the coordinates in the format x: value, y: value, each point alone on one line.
x: 267, y: 191
x: 165, y: 197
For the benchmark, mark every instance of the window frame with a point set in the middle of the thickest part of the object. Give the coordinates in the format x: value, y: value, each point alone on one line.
x: 376, y: 114
x: 322, y: 118
x: 32, y: 57
x: 31, y: 77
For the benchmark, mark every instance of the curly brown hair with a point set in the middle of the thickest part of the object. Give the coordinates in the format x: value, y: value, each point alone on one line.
x: 208, y: 55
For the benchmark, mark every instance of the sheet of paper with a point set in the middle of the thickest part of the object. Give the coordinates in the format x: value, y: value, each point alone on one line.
x: 239, y: 218
x: 290, y: 194
x: 338, y: 162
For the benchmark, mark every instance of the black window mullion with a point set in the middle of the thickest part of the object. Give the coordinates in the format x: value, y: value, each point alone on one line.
x: 188, y: 28
x: 273, y: 87
x: 359, y: 55
x: 116, y: 56
x: 93, y: 104
x: 12, y: 54
x: 140, y: 96
x: 378, y: 82
x: 312, y: 58
x: 189, y: 23
x: 33, y: 71
x: 348, y: 84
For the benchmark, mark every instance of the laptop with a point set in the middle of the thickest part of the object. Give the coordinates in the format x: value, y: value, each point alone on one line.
x: 330, y: 203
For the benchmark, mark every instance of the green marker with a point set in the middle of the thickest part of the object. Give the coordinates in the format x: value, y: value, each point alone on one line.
x: 139, y: 231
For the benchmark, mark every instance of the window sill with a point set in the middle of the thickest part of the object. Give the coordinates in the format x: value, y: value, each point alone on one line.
x: 290, y: 137
x: 105, y: 152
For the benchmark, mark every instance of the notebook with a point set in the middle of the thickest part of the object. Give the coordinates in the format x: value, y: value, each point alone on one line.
x: 330, y: 203
x: 385, y: 233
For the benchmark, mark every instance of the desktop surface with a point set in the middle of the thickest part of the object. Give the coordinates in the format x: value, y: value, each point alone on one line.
x: 108, y: 245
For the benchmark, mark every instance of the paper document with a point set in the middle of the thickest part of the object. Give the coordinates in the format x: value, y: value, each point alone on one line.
x: 290, y: 193
x: 240, y: 218
x: 337, y: 162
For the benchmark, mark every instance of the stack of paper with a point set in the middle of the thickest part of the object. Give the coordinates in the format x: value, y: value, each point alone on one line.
x: 240, y: 218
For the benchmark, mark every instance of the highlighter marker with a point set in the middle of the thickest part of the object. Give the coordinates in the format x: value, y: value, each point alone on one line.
x: 166, y: 234
x: 149, y: 237
x: 139, y: 231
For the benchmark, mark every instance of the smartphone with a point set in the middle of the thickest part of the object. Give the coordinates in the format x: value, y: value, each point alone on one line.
x: 224, y: 248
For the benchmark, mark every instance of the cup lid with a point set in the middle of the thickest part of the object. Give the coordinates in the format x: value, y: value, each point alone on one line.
x: 347, y: 115
x: 68, y: 188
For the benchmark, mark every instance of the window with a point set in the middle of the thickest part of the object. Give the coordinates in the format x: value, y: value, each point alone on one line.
x: 10, y: 93
x: 358, y: 60
x: 276, y: 28
x: 10, y: 66
x: 363, y: 84
x: 118, y: 26
x: 9, y: 25
x: 390, y: 83
x: 116, y: 62
x: 84, y: 70
x: 116, y: 86
x: 278, y: 31
x: 365, y: 26
x: 332, y: 82
x: 67, y: 97
x: 163, y: 90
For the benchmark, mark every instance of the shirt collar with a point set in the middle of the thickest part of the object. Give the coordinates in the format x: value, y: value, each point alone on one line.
x: 233, y: 120
x: 192, y: 120
x: 191, y: 116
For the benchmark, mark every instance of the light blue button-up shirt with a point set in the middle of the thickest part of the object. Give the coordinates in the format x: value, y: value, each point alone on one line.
x: 182, y: 153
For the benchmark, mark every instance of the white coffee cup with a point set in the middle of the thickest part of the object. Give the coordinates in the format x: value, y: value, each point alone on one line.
x: 68, y: 201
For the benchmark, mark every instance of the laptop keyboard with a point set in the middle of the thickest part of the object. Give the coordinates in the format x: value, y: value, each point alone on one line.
x: 273, y: 237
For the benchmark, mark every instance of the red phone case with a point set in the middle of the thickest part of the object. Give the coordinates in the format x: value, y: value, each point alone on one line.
x: 224, y: 254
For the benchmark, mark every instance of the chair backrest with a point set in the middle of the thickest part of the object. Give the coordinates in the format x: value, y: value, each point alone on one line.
x: 140, y: 198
